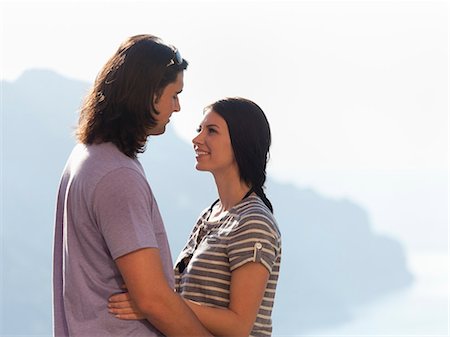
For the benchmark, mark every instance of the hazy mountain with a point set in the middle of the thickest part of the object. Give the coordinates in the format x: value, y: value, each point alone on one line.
x: 332, y: 259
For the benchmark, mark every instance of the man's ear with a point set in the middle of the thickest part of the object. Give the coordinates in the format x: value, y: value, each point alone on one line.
x: 155, y: 99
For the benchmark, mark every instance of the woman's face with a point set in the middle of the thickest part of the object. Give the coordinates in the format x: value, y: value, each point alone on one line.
x: 212, y: 145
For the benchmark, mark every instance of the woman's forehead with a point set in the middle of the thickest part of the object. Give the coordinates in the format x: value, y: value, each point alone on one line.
x: 212, y: 117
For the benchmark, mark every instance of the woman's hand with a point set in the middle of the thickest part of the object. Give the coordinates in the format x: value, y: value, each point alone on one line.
x: 122, y: 307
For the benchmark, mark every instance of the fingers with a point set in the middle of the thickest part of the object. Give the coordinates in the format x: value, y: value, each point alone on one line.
x: 127, y: 313
x: 128, y: 317
x: 122, y: 311
x: 122, y: 297
x: 120, y: 305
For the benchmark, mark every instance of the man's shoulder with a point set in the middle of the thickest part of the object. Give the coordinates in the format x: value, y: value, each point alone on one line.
x: 92, y: 163
x: 105, y: 156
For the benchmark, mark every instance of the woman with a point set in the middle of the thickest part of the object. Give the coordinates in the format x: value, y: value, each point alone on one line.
x: 228, y: 270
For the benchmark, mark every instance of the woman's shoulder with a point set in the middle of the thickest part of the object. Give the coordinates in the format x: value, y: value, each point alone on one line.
x: 253, y: 205
x: 252, y: 212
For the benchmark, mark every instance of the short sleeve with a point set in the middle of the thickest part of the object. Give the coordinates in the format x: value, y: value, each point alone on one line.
x: 253, y: 240
x: 123, y: 206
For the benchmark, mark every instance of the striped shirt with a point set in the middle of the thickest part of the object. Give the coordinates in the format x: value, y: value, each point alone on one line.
x: 247, y: 233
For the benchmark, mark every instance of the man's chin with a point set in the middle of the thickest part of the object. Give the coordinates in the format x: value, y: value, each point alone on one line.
x: 157, y: 132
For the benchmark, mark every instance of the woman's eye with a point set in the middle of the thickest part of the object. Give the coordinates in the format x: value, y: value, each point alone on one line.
x: 209, y: 130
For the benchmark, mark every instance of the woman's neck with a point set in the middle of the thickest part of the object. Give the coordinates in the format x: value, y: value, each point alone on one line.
x: 231, y: 191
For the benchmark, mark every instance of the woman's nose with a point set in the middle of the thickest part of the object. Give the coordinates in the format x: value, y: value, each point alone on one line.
x: 197, y: 139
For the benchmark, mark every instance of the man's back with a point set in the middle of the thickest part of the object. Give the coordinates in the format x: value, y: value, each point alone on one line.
x: 105, y: 209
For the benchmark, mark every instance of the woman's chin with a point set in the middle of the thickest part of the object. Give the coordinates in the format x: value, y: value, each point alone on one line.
x: 200, y: 167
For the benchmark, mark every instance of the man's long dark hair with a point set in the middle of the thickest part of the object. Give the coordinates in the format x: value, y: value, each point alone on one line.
x: 250, y: 138
x: 119, y: 108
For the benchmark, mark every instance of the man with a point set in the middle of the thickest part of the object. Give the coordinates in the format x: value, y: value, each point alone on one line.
x: 108, y: 229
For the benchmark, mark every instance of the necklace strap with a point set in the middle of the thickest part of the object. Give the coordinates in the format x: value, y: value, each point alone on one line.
x: 213, y: 204
x: 250, y: 191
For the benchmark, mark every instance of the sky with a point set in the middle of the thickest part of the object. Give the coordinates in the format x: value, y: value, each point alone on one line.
x: 356, y: 91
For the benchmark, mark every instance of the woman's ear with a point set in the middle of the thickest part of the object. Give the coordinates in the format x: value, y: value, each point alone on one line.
x: 155, y: 99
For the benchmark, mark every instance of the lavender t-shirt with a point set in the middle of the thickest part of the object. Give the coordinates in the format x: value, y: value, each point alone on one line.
x: 105, y: 209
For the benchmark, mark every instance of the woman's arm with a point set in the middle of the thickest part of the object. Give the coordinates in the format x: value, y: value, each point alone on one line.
x: 248, y: 284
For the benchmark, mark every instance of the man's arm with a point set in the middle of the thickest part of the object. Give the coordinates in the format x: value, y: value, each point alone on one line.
x: 248, y: 285
x: 148, y: 288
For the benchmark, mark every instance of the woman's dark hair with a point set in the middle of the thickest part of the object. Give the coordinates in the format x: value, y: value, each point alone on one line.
x: 250, y: 138
x: 119, y: 108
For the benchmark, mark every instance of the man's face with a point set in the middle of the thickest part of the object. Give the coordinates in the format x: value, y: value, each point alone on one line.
x: 167, y: 104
